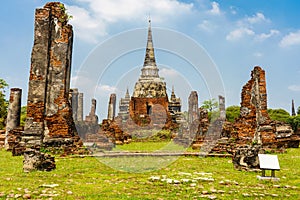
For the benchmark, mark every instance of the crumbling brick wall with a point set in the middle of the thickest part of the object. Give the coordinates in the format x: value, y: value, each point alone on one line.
x: 49, y: 113
x: 253, y: 125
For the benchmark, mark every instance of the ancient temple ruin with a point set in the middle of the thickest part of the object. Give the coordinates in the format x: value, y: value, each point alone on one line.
x: 49, y: 120
x: 149, y: 95
x: 222, y: 107
x: 149, y: 103
x: 252, y: 127
x: 92, y: 117
x: 111, y: 107
x: 193, y: 112
x: 76, y: 100
x: 175, y: 107
x: 254, y: 124
x: 124, y: 107
x: 149, y: 107
x: 293, y: 108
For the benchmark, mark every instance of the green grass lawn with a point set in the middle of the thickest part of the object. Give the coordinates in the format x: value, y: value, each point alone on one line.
x: 198, y: 178
x: 163, y: 146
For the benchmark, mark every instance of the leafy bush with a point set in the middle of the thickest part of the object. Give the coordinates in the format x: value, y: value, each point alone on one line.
x: 232, y: 112
x: 294, y: 121
x: 279, y: 114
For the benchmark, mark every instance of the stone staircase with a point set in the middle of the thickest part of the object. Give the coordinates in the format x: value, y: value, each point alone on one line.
x: 212, y: 136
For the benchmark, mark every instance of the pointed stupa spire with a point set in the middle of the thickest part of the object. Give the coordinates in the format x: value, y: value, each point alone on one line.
x: 173, y: 96
x: 149, y: 57
x: 293, y: 108
x: 149, y: 69
x: 127, y: 96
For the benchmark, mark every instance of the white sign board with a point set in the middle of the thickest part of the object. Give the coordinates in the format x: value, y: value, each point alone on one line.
x: 268, y: 162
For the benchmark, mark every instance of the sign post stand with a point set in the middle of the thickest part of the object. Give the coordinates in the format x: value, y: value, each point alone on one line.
x: 268, y: 162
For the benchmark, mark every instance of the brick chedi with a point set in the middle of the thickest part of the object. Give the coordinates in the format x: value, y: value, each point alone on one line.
x: 49, y: 119
x: 149, y: 95
x: 175, y: 107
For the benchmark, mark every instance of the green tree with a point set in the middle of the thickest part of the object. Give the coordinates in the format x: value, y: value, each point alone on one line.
x: 279, y: 114
x: 3, y: 103
x: 210, y: 104
x: 298, y: 110
x: 294, y: 121
x: 232, y: 112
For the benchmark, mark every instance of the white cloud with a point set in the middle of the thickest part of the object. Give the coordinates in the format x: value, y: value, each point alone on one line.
x: 250, y: 26
x: 215, y: 8
x: 257, y: 18
x: 168, y: 73
x: 86, y: 27
x: 81, y: 81
x: 265, y: 36
x: 106, y: 89
x: 93, y: 21
x: 294, y: 88
x: 239, y: 33
x: 291, y: 39
x: 207, y: 26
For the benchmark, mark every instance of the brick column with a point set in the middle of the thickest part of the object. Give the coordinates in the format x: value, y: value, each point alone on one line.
x: 13, y: 113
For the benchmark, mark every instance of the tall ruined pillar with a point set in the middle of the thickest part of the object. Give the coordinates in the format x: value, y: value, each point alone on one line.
x: 13, y: 113
x: 222, y: 107
x: 80, y: 107
x: 293, y: 108
x: 193, y: 111
x: 92, y: 117
x: 253, y: 125
x: 74, y: 102
x: 34, y: 126
x: 49, y: 113
x: 111, y: 107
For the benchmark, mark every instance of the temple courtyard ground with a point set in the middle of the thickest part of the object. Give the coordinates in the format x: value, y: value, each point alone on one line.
x: 187, y: 177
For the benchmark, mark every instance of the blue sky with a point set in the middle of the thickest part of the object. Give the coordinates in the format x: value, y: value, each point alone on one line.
x: 235, y: 34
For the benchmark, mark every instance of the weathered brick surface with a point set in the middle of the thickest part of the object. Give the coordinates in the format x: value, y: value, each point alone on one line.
x: 114, y: 132
x: 193, y: 113
x: 253, y: 124
x: 92, y: 118
x: 49, y: 114
x: 13, y: 113
x: 144, y: 111
x: 112, y: 107
x: 35, y: 160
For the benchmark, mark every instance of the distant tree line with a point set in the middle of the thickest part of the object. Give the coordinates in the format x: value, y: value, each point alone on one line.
x: 233, y: 112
